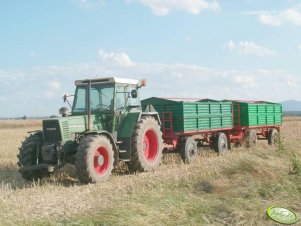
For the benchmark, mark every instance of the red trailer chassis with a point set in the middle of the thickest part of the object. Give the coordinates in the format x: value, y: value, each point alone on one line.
x: 237, y: 134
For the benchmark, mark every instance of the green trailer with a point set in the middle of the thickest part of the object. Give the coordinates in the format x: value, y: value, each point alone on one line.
x: 192, y: 116
x: 188, y: 124
x: 256, y: 119
x: 254, y: 114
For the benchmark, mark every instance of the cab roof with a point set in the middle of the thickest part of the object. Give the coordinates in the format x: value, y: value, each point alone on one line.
x: 107, y: 80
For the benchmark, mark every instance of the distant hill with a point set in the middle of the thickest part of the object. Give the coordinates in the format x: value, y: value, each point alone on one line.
x: 291, y: 105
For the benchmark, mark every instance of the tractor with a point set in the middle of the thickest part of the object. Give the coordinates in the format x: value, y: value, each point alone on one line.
x: 106, y: 125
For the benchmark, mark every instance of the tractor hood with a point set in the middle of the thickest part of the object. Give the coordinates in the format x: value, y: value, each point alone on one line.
x: 63, y: 129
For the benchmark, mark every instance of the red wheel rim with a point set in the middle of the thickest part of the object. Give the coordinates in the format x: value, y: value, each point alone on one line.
x: 101, y: 160
x: 150, y: 145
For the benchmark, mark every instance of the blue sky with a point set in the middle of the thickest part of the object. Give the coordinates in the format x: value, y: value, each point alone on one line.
x: 237, y: 49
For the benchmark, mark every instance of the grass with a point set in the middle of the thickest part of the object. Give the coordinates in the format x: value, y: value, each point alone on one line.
x: 235, y: 189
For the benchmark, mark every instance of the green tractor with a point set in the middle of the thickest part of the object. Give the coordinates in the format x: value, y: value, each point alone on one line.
x: 106, y: 125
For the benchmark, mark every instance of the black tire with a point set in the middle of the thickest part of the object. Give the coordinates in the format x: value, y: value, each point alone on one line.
x: 28, y: 157
x: 94, y: 159
x: 188, y: 149
x: 220, y: 143
x: 251, y: 138
x: 147, y: 146
x: 273, y: 136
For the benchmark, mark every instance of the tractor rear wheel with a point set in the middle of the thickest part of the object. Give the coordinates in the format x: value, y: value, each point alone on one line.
x: 147, y: 145
x: 251, y: 138
x: 94, y: 159
x: 273, y: 136
x: 188, y: 149
x: 220, y: 143
x: 28, y: 157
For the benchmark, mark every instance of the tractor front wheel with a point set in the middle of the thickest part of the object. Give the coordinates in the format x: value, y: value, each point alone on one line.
x: 29, y: 155
x: 94, y: 159
x: 147, y: 145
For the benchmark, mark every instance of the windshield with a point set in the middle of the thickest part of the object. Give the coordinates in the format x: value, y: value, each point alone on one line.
x: 79, y: 104
x: 101, y: 98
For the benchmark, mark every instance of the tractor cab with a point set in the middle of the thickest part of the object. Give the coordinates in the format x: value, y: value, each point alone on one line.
x: 104, y: 102
x: 106, y: 95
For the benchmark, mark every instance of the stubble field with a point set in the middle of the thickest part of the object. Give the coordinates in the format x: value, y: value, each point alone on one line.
x: 235, y: 189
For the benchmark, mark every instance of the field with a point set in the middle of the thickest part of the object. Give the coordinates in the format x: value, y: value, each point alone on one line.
x: 235, y: 189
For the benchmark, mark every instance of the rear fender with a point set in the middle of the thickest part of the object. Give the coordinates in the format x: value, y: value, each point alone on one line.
x: 150, y: 111
x: 126, y: 129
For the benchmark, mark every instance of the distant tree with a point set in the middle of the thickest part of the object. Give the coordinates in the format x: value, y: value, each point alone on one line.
x: 24, y: 117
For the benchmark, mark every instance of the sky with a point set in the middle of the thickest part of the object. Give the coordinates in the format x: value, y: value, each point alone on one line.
x: 218, y: 49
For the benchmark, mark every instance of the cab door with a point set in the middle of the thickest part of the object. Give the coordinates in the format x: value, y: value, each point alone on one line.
x: 120, y: 103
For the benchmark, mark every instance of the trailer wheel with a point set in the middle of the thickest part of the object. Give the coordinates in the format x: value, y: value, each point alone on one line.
x: 94, y: 159
x: 28, y: 157
x: 251, y: 138
x: 147, y: 145
x: 220, y: 143
x: 273, y: 136
x: 188, y: 149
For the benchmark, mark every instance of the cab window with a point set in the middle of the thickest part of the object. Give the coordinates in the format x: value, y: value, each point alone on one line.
x: 102, y: 97
x: 121, y: 96
x: 80, y: 100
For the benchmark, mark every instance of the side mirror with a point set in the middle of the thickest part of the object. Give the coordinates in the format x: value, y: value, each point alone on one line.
x: 65, y: 98
x: 134, y: 93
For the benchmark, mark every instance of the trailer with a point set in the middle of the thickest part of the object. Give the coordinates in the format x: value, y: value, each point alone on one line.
x: 256, y: 119
x: 188, y: 124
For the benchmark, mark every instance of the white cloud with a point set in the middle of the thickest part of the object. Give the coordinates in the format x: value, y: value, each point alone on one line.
x: 249, y: 48
x: 299, y: 47
x: 182, y: 80
x: 3, y: 99
x: 245, y: 81
x: 120, y: 58
x: 269, y: 19
x: 33, y: 54
x: 40, y: 90
x: 9, y: 77
x: 54, y: 84
x: 290, y: 16
x: 90, y: 4
x: 188, y: 39
x: 164, y: 7
x: 53, y: 89
x: 50, y: 94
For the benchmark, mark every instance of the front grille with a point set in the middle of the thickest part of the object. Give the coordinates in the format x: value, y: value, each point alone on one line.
x: 65, y: 127
x: 52, y: 132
